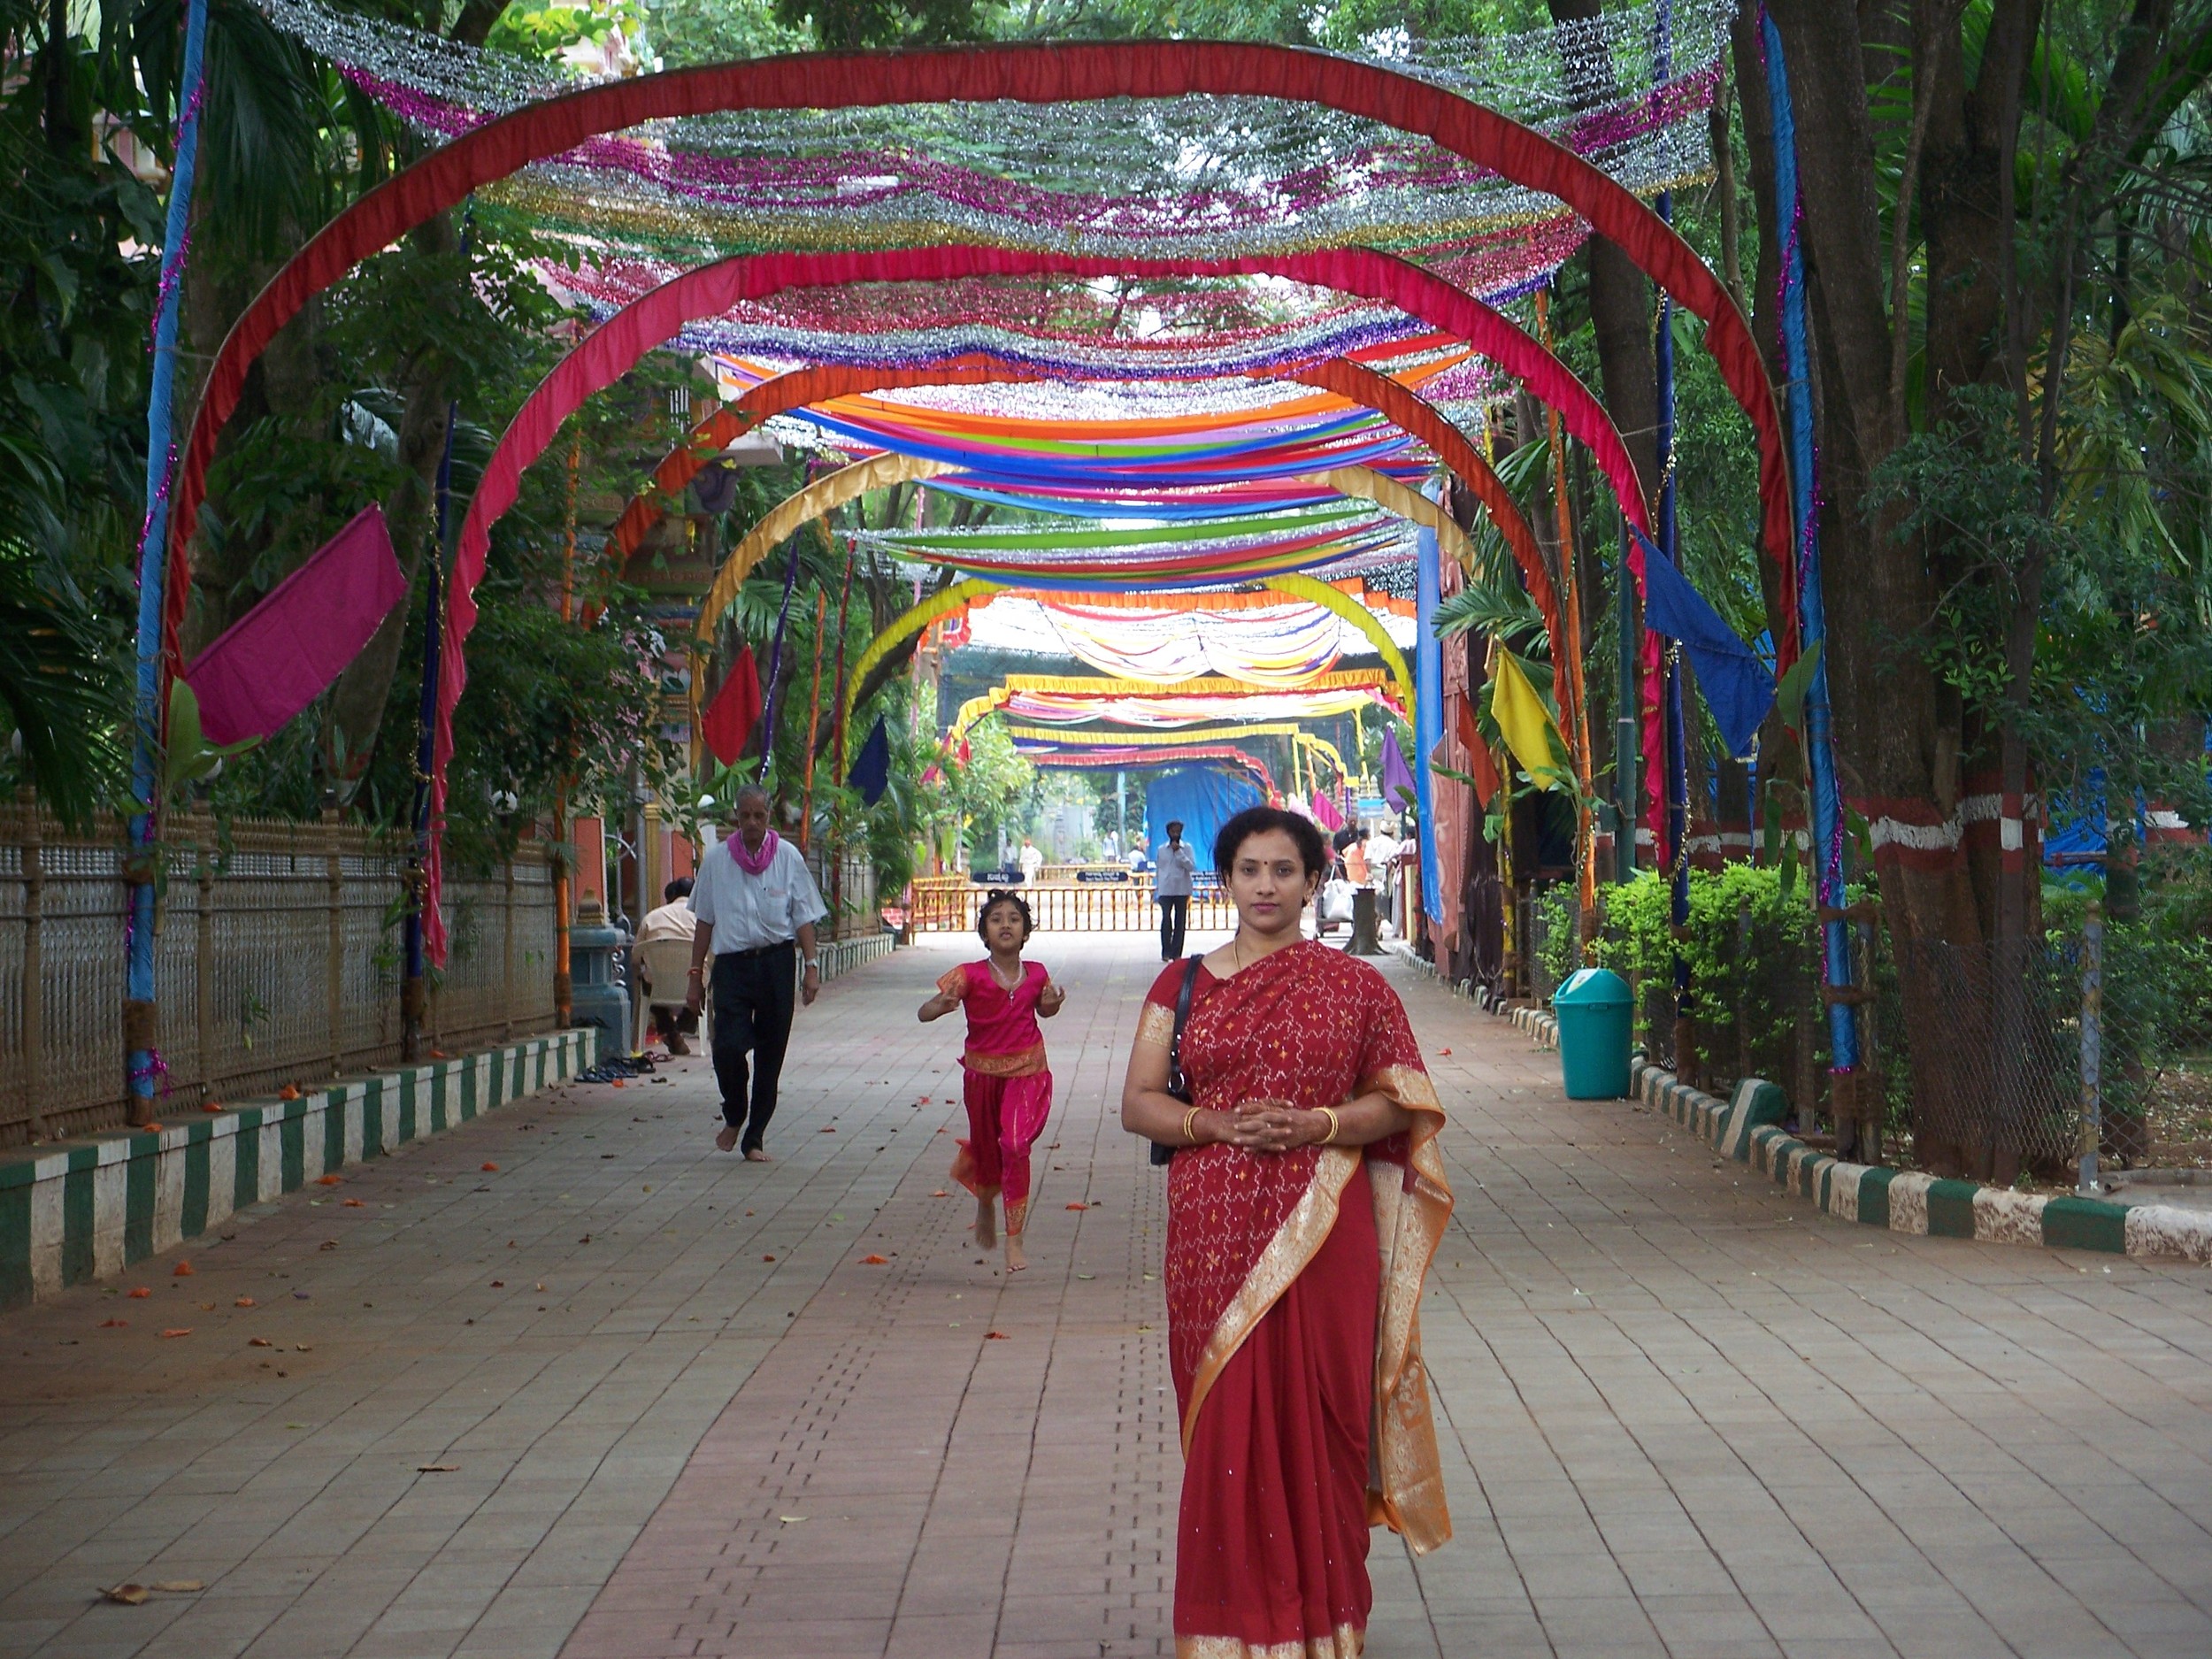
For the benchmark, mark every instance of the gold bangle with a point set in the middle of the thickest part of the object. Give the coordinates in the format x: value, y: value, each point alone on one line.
x: 1190, y: 1132
x: 1330, y: 1113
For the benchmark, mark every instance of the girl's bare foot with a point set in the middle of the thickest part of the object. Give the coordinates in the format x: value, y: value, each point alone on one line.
x: 754, y: 1154
x: 1015, y: 1259
x: 986, y: 1225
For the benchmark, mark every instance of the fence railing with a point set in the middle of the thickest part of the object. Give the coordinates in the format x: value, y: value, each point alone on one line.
x: 276, y: 961
x: 948, y: 905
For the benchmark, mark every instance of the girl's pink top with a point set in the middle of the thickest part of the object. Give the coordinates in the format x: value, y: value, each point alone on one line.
x: 1004, y: 1039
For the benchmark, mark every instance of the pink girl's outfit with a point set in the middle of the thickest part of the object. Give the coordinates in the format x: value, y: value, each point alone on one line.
x: 1008, y: 1090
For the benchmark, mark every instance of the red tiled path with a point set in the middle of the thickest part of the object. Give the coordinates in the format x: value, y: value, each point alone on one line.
x: 1680, y: 1413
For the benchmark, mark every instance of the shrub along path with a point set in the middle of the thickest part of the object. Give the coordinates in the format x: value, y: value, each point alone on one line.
x: 571, y: 1405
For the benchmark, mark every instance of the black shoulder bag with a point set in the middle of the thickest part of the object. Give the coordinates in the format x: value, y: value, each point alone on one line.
x: 1178, y: 1085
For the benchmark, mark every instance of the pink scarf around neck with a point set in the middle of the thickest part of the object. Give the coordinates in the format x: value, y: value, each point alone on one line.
x: 753, y: 863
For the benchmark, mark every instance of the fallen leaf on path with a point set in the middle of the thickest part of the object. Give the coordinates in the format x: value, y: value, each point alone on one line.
x: 111, y: 1324
x: 207, y: 1307
x: 128, y: 1594
x: 181, y: 1330
x: 354, y: 1203
x: 541, y: 1284
x: 438, y: 1053
x: 1443, y: 1051
x: 489, y: 1168
x: 243, y: 1301
x: 212, y: 1106
x: 826, y: 1129
x: 303, y: 1347
x: 1087, y: 1275
x: 996, y: 1336
x: 874, y: 1261
x: 499, y: 1284
x: 260, y: 1342
x: 940, y: 1193
x: 141, y: 1294
x: 176, y: 1587
x: 330, y: 1180
x: 183, y: 1270
x: 767, y: 1259
x: 437, y: 1469
x: 327, y: 1244
x: 791, y: 1520
x: 1079, y: 1206
x: 290, y: 1091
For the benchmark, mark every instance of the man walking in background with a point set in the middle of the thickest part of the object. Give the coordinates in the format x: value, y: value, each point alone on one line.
x: 756, y: 905
x: 1171, y: 890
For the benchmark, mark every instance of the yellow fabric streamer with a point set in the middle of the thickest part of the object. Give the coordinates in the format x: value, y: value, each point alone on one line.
x: 1522, y: 717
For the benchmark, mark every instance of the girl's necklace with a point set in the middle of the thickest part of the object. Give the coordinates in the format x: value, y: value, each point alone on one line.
x: 1020, y: 974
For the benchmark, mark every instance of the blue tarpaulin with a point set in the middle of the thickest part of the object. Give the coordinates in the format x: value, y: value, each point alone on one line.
x: 1202, y: 799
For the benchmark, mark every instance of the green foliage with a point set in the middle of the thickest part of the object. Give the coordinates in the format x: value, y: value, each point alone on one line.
x: 2157, y: 972
x: 62, y: 691
x: 1752, y: 950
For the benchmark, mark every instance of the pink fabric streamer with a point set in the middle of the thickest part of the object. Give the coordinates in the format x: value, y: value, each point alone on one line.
x: 285, y: 652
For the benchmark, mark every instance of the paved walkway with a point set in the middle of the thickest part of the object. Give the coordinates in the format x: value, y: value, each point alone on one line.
x: 620, y: 1397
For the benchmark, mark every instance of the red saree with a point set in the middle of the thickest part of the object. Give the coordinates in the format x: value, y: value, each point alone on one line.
x: 1293, y: 1289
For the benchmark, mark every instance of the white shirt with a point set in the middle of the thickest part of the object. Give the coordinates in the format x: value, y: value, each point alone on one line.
x: 1381, y: 850
x: 748, y: 912
x: 1031, y: 862
x: 1175, y: 866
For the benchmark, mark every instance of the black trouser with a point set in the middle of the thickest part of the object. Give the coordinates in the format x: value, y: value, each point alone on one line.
x: 1174, y: 911
x: 754, y: 993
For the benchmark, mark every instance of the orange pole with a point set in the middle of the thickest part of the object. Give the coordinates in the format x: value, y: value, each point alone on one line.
x: 813, y: 715
x: 1574, y: 705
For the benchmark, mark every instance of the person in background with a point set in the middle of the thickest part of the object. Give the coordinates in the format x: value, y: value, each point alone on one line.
x: 1355, y: 855
x: 665, y: 938
x: 756, y: 905
x: 1382, y: 858
x: 1032, y: 861
x: 1171, y: 889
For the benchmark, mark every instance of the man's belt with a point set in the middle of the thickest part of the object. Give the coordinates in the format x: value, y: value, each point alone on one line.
x: 760, y: 950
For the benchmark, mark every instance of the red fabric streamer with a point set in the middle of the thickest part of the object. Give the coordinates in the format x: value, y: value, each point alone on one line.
x: 1025, y: 74
x: 283, y: 654
x: 730, y: 718
x: 1480, y: 766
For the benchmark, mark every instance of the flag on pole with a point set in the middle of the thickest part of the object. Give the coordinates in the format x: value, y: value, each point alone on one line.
x: 1522, y: 717
x: 284, y: 653
x: 871, y: 767
x: 730, y: 718
x: 1324, y: 812
x: 1480, y: 765
x: 1738, y: 688
x: 1397, y: 776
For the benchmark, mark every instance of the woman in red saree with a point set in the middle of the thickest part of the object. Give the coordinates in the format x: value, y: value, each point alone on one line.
x: 1305, y: 1200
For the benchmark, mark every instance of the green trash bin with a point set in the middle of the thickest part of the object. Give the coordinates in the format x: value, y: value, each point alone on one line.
x: 1593, y: 1009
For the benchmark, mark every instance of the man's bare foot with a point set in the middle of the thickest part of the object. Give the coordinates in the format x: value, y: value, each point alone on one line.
x: 757, y: 1154
x: 725, y: 1138
x: 1015, y: 1259
x: 986, y: 1225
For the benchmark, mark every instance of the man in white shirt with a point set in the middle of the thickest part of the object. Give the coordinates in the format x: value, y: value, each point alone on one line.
x: 1382, y: 859
x: 1171, y: 889
x: 664, y: 949
x: 756, y: 905
x: 1032, y: 861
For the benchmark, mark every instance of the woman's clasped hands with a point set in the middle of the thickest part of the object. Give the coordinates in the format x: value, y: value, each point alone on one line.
x: 1268, y: 1125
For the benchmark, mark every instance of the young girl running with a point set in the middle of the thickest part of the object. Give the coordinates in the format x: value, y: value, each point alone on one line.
x: 1009, y: 1091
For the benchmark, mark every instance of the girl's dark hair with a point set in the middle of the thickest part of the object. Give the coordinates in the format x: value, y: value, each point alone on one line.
x: 992, y: 900
x: 1313, y: 851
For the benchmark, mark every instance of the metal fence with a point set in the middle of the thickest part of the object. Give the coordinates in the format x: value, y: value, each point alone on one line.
x: 276, y: 956
x: 948, y: 905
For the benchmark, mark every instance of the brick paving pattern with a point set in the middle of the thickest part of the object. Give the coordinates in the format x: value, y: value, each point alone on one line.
x: 1681, y: 1413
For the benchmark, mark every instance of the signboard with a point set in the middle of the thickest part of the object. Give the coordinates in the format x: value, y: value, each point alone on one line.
x: 1102, y: 875
x: 1370, y: 806
x: 996, y: 877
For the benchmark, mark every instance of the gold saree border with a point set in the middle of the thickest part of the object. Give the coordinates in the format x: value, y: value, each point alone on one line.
x: 1156, y: 1026
x: 1347, y: 1641
x: 1296, y: 1242
x: 1028, y: 1063
x: 1412, y: 1208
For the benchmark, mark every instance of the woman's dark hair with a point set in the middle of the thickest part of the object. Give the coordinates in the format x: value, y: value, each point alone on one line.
x: 992, y: 900
x: 1313, y: 851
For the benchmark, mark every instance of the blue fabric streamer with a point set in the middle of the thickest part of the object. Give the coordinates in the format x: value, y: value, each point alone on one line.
x: 871, y: 773
x: 1739, y: 688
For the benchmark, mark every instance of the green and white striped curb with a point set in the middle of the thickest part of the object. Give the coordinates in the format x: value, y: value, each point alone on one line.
x: 1747, y: 1128
x: 89, y: 1210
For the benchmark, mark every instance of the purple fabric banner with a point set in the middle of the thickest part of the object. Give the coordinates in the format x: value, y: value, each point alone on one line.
x: 1399, y: 791
x: 284, y: 653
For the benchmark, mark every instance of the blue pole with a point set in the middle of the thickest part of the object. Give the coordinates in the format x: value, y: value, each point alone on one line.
x: 1669, y: 544
x: 1820, y: 757
x: 414, y: 999
x: 143, y: 1063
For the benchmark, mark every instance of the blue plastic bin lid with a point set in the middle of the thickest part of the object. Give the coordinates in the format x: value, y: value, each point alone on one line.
x: 1593, y: 987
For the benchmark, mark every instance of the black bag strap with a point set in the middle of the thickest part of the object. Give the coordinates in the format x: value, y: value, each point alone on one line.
x: 1178, y: 1085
